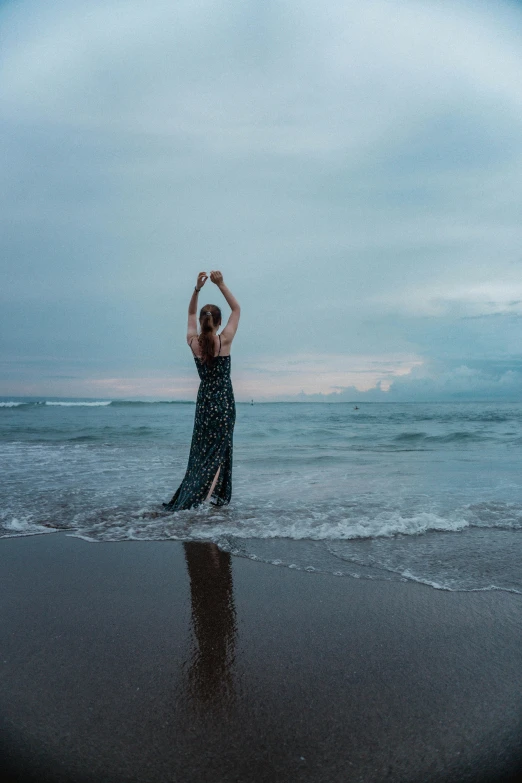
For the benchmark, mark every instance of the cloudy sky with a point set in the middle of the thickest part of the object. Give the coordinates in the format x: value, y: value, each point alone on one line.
x: 353, y: 168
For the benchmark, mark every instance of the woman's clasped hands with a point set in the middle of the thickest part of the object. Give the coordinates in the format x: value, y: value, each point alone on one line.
x: 215, y: 276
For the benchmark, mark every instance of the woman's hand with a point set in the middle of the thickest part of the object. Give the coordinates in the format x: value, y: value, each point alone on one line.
x: 202, y: 279
x: 216, y: 278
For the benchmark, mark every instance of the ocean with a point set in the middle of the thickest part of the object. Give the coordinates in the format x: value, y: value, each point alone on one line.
x: 430, y: 493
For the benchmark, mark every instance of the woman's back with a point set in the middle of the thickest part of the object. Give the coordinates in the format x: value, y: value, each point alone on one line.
x: 215, y: 372
x: 222, y: 346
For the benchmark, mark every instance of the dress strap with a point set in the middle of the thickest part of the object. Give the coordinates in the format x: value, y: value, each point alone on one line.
x: 219, y: 344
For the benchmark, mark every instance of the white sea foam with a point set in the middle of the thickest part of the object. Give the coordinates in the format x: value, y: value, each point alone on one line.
x: 19, y: 526
x: 242, y: 521
x: 56, y: 404
x: 96, y: 404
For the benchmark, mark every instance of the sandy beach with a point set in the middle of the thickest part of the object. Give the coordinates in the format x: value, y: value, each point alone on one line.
x: 164, y: 661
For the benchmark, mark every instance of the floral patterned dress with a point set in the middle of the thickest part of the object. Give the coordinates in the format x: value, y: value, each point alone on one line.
x: 211, y: 446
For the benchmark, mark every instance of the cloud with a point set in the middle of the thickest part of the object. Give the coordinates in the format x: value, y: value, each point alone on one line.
x: 489, y: 382
x: 474, y: 300
x: 266, y: 377
x: 353, y: 168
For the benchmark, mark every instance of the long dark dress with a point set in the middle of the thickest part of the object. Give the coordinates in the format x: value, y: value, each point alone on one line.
x: 211, y: 446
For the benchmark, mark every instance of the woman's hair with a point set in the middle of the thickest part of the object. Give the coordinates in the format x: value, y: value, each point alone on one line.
x: 209, y: 316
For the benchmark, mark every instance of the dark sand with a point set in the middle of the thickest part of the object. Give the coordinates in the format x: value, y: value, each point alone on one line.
x: 115, y: 667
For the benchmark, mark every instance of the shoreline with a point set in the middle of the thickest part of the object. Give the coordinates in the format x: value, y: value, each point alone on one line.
x: 167, y: 661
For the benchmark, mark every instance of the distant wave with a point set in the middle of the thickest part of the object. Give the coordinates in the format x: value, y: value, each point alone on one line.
x: 79, y: 404
x: 452, y: 437
x: 493, y: 417
x: 60, y: 404
x: 151, y: 402
x: 87, y: 403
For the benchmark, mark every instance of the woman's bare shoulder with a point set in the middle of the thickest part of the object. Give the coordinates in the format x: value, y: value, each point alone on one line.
x: 226, y: 344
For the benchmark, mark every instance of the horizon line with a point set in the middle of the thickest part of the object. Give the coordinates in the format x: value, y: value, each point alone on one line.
x: 43, y: 398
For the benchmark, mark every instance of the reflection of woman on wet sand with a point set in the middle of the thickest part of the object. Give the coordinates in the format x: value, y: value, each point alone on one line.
x: 213, y: 622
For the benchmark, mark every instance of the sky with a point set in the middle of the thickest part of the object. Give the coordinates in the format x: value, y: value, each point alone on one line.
x: 352, y: 168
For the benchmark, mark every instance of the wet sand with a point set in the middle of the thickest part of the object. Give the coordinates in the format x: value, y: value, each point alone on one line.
x: 159, y: 661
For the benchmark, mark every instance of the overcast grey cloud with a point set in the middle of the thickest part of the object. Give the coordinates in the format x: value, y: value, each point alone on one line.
x: 352, y: 168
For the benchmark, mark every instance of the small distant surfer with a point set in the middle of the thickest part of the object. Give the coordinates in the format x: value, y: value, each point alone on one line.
x: 356, y: 407
x: 252, y: 402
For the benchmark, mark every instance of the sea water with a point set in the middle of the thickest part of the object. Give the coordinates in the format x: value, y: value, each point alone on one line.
x: 424, y: 492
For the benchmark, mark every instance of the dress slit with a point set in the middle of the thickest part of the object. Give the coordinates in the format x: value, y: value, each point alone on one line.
x: 212, y: 491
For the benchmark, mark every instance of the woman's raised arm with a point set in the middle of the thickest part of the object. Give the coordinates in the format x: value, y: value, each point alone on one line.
x: 231, y: 328
x: 192, y: 327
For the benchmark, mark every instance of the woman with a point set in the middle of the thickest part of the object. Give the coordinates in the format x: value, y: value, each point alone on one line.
x: 209, y: 471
